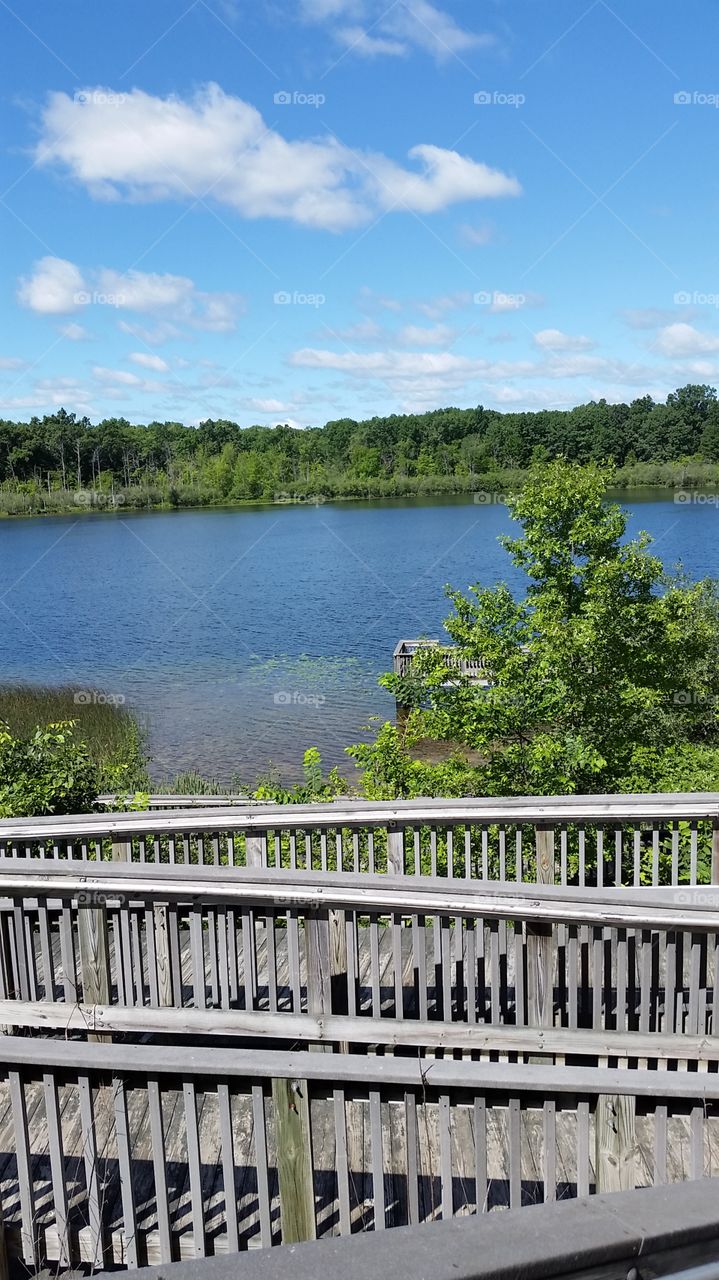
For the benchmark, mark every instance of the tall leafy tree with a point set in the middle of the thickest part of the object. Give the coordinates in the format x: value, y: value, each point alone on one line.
x: 601, y: 678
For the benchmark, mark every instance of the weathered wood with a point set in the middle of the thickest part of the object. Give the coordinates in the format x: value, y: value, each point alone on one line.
x: 162, y: 955
x: 294, y: 1159
x: 615, y: 1142
x: 540, y: 942
x: 94, y: 957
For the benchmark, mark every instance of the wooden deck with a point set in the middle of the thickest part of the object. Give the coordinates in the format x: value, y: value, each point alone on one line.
x: 376, y: 989
x: 431, y: 1190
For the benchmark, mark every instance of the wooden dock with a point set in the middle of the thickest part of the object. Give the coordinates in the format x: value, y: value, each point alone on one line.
x: 231, y: 1028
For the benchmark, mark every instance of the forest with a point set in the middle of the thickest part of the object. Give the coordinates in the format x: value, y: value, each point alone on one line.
x: 63, y: 461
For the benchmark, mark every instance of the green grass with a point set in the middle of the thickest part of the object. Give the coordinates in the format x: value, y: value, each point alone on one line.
x: 110, y: 732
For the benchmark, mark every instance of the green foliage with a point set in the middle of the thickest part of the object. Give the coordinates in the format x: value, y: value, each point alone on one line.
x: 605, y: 678
x: 62, y: 462
x: 315, y: 787
x: 46, y: 773
x: 110, y: 733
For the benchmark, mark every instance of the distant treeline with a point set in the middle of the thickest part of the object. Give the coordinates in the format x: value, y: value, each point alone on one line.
x: 61, y: 460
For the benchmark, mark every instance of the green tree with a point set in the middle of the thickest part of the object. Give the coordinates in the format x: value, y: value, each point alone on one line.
x: 606, y: 670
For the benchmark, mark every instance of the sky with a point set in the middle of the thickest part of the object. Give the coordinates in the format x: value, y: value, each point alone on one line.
x: 304, y: 210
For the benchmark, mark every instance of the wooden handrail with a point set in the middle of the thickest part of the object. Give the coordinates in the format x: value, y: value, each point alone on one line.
x: 520, y: 810
x: 95, y: 883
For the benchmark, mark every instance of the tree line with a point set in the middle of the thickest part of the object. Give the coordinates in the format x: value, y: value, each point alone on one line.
x: 62, y: 458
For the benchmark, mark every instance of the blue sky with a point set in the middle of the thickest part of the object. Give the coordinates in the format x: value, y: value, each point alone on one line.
x: 325, y: 208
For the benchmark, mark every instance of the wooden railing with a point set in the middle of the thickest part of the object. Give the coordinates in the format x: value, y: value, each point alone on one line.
x: 405, y: 651
x: 341, y: 958
x: 564, y: 950
x: 582, y: 840
x: 146, y: 1154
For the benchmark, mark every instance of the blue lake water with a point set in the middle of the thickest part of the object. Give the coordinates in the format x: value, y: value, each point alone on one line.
x: 243, y: 636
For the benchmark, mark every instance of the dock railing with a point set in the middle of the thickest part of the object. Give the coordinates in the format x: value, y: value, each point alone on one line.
x: 247, y: 1026
x: 582, y: 840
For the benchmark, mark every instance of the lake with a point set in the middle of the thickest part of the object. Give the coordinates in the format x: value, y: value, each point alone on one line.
x: 241, y: 637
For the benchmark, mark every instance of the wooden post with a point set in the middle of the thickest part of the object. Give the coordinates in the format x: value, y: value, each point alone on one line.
x: 395, y: 849
x: 121, y: 850
x: 319, y: 978
x: 294, y: 1160
x: 94, y: 959
x: 255, y: 856
x: 7, y: 984
x: 162, y: 956
x: 615, y: 1142
x: 540, y: 943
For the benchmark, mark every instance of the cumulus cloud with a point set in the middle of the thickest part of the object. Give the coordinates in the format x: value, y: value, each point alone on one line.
x: 57, y: 286
x: 54, y: 288
x: 555, y: 340
x: 137, y: 146
x: 684, y: 340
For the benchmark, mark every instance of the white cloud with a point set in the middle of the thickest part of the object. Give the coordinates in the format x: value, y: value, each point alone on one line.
x: 156, y: 336
x: 55, y: 287
x: 12, y: 362
x: 268, y: 406
x: 684, y: 340
x: 555, y: 340
x: 647, y: 317
x: 363, y: 331
x: 430, y: 373
x: 148, y: 361
x: 140, y: 147
x: 119, y: 376
x: 435, y: 308
x: 413, y: 335
x: 74, y: 332
x: 358, y: 40
x: 372, y: 27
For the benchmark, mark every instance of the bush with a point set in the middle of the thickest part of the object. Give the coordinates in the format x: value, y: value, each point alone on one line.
x: 46, y: 773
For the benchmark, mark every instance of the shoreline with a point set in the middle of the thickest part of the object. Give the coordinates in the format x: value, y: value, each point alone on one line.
x: 487, y: 489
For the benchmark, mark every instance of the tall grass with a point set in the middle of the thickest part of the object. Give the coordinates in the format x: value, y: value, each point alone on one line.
x: 111, y: 733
